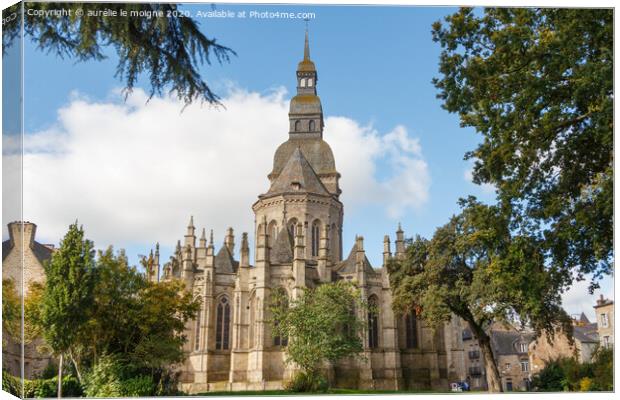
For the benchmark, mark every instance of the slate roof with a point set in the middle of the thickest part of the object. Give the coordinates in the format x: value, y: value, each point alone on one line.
x: 584, y: 319
x: 41, y: 252
x: 282, y: 250
x: 297, y: 171
x: 505, y: 342
x: 586, y: 334
x: 348, y: 266
x: 224, y: 261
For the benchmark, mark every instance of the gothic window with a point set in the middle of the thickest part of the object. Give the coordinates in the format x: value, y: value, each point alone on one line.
x: 197, y: 331
x: 297, y: 126
x: 373, y: 323
x: 282, y: 301
x: 251, y: 330
x: 292, y: 226
x: 302, y: 83
x: 316, y: 231
x: 411, y: 331
x: 222, y: 330
x: 311, y: 126
x: 273, y: 232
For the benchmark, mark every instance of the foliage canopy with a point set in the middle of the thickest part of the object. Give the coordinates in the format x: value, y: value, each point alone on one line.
x: 168, y: 47
x: 322, y: 324
x: 537, y: 84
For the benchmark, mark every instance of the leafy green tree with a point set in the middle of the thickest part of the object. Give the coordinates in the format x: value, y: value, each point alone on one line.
x: 168, y: 47
x: 11, y: 311
x: 537, y: 84
x: 320, y: 325
x: 68, y: 294
x: 138, y: 323
x: 475, y: 268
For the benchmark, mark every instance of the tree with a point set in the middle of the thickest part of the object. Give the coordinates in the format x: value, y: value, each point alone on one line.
x: 537, y: 84
x: 11, y: 312
x: 68, y: 294
x: 138, y: 324
x: 476, y: 268
x: 321, y: 326
x: 156, y: 39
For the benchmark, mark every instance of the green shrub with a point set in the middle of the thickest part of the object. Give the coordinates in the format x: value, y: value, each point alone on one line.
x: 11, y: 384
x: 139, y: 386
x: 105, y: 378
x: 308, y: 382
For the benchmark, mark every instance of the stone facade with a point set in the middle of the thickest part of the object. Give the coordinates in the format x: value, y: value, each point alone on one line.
x: 604, y: 309
x: 21, y: 246
x: 510, y: 348
x: 298, y: 231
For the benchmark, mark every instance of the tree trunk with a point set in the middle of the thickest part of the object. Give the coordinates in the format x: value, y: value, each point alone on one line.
x: 492, y: 372
x: 60, y: 376
x: 77, y: 369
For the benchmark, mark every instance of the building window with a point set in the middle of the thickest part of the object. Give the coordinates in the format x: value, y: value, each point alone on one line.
x: 606, y: 341
x: 523, y: 347
x: 507, y: 366
x: 309, y: 82
x: 604, y: 320
x: 222, y: 330
x: 311, y: 126
x: 302, y: 82
x: 297, y: 126
x: 467, y: 334
x: 273, y: 232
x: 197, y: 331
x: 411, y: 331
x: 525, y: 366
x: 316, y: 229
x: 373, y: 323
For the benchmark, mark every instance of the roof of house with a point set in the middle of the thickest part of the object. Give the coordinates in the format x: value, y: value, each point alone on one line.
x: 41, y: 252
x: 586, y: 334
x: 505, y: 342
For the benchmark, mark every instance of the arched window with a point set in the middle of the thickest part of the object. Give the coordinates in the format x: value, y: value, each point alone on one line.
x: 309, y: 82
x: 251, y: 329
x: 411, y: 331
x: 222, y: 327
x: 311, y: 126
x: 316, y: 232
x: 282, y: 297
x: 292, y: 227
x: 273, y: 232
x: 373, y: 322
x: 197, y: 331
x: 302, y: 82
x: 298, y: 126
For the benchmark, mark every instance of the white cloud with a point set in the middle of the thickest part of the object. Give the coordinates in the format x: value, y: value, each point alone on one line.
x: 486, y: 188
x: 577, y: 299
x: 132, y: 172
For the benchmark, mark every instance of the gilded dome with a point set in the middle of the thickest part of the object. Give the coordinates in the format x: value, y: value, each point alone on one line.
x: 316, y: 151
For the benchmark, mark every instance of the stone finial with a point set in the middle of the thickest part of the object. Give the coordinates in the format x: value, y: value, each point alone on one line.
x: 203, y: 238
x: 359, y: 242
x: 229, y: 241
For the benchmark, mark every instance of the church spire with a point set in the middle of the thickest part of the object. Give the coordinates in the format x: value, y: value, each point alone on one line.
x: 306, y: 112
x: 306, y: 46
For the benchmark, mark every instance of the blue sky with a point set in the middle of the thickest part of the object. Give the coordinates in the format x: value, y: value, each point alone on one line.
x: 375, y: 67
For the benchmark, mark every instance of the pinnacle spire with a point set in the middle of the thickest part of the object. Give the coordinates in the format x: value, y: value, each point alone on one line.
x: 191, y: 221
x: 306, y: 45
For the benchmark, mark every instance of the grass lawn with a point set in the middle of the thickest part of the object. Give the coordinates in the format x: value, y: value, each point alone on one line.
x: 329, y: 392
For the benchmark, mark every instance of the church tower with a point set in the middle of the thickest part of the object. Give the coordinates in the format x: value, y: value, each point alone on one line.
x: 304, y: 189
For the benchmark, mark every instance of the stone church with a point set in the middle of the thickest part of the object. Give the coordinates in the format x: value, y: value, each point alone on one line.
x: 298, y: 231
